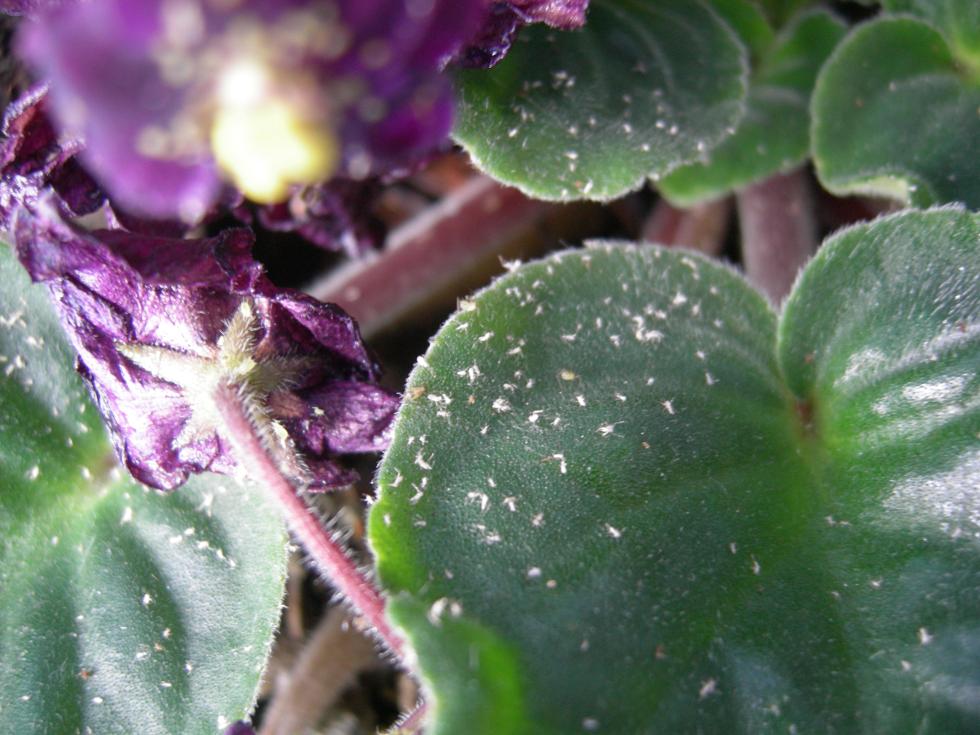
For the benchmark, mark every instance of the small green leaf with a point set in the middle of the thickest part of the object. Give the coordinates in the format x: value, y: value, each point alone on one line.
x: 749, y: 23
x: 657, y: 508
x: 122, y: 610
x: 774, y: 135
x: 958, y: 20
x: 895, y: 115
x: 780, y: 11
x: 644, y: 86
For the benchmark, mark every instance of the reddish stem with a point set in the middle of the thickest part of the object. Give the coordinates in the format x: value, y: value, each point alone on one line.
x: 779, y: 231
x: 435, y: 256
x: 702, y: 227
x: 328, y: 555
x: 413, y: 722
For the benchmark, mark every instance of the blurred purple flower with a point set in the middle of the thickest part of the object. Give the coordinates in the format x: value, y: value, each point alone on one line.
x: 159, y: 324
x: 28, y: 7
x: 503, y: 19
x: 33, y: 159
x: 173, y: 96
x: 239, y: 728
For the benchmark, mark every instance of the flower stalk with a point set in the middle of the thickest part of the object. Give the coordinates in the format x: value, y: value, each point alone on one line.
x: 779, y: 231
x: 328, y: 555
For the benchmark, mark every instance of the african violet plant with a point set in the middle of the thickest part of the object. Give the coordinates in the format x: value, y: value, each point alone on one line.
x: 626, y: 490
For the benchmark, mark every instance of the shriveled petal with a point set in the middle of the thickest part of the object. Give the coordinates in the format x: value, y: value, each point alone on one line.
x: 503, y: 19
x: 298, y: 324
x: 564, y: 14
x: 159, y: 324
x: 336, y: 215
x: 345, y: 417
x: 35, y: 159
x: 104, y: 302
x: 497, y: 33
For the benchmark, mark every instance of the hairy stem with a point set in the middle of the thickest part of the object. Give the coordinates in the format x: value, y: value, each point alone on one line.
x: 329, y: 556
x: 779, y: 232
x: 413, y: 722
x: 329, y: 662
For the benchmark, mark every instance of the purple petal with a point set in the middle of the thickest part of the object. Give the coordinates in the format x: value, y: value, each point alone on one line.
x: 345, y: 417
x: 147, y: 316
x: 502, y: 21
x: 103, y: 301
x: 33, y: 158
x: 496, y: 35
x: 107, y: 89
x: 28, y: 7
x: 148, y: 117
x: 334, y: 216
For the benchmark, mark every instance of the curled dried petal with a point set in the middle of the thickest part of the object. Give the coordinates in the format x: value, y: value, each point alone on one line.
x: 159, y: 324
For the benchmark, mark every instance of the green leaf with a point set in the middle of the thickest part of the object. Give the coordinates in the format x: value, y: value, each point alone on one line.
x: 122, y: 610
x: 606, y: 509
x: 895, y: 115
x: 780, y: 11
x: 749, y: 23
x: 958, y: 20
x: 774, y: 135
x: 644, y: 86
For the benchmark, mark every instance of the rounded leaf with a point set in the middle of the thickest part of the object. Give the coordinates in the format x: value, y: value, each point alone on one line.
x: 643, y: 87
x: 605, y: 508
x: 895, y: 115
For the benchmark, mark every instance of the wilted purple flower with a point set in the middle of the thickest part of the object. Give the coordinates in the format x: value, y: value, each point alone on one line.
x: 239, y: 728
x: 159, y: 324
x: 335, y: 215
x: 172, y: 96
x: 34, y: 158
x: 503, y: 19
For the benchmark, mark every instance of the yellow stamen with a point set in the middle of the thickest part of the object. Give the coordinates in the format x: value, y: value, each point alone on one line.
x: 266, y: 147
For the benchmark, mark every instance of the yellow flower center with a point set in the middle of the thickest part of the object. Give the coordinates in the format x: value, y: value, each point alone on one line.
x: 263, y: 143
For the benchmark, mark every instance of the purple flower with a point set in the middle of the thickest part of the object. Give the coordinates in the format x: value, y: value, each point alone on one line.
x: 175, y: 96
x: 239, y: 728
x: 159, y: 324
x: 27, y: 7
x: 503, y: 19
x: 34, y: 159
x: 336, y: 215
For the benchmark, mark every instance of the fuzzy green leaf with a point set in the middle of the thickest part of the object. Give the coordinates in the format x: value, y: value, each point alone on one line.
x: 643, y: 87
x: 958, y: 20
x: 122, y: 610
x: 630, y: 499
x: 895, y: 115
x: 774, y: 135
